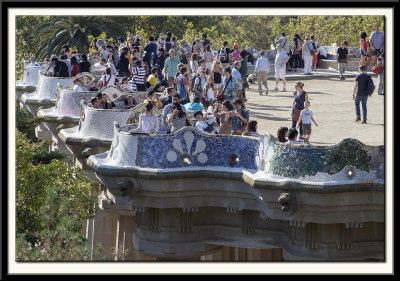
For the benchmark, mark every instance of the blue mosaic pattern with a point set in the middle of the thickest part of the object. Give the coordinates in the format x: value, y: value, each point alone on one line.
x: 300, y: 160
x: 218, y: 151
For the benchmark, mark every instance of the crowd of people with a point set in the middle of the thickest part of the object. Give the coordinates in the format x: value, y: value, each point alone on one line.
x: 196, y: 86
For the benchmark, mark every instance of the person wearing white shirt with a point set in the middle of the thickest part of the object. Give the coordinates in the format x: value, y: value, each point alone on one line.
x: 107, y: 79
x: 148, y: 122
x: 33, y: 62
x: 111, y: 65
x: 202, y: 125
x: 321, y: 53
x: 78, y: 85
x: 262, y: 72
x: 103, y: 52
x: 100, y: 64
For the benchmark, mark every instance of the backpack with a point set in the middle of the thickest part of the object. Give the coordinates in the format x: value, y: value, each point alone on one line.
x: 371, y: 86
x: 223, y: 56
x: 192, y: 83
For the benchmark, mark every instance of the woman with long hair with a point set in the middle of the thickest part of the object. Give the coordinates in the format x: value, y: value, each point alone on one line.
x: 363, y: 49
x: 208, y: 92
x: 208, y: 57
x: 178, y: 117
x: 216, y: 73
x: 220, y: 112
x: 299, y: 97
x: 74, y: 66
x: 297, y: 49
x: 194, y: 64
x: 148, y: 122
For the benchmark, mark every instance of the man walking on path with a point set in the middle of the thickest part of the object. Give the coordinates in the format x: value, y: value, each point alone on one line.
x: 262, y: 72
x: 377, y: 41
x: 281, y: 59
x: 360, y: 93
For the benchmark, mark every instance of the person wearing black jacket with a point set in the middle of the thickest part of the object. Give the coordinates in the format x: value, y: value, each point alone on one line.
x: 60, y: 68
x: 123, y: 65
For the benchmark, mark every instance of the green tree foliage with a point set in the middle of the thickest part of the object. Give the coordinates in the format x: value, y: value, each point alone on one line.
x: 73, y: 31
x: 26, y: 44
x: 328, y: 29
x: 51, y: 202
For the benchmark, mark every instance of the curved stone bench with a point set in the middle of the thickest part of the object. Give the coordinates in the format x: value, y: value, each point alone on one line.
x: 94, y: 133
x: 193, y: 193
x: 29, y: 80
x: 65, y: 114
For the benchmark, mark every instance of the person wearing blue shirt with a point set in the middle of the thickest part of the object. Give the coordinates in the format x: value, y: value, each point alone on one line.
x: 194, y: 106
x: 229, y: 85
x: 240, y: 117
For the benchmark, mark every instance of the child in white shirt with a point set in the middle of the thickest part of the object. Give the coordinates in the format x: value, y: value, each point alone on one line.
x: 306, y: 116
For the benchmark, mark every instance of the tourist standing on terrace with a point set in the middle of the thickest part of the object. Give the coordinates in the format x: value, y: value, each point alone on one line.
x: 178, y: 117
x: 230, y: 86
x: 299, y: 97
x: 194, y: 64
x: 381, y: 63
x: 296, y: 52
x: 183, y: 86
x: 377, y: 42
x: 307, y: 56
x: 199, y: 83
x: 171, y: 67
x: 208, y: 58
x: 139, y: 76
x: 281, y: 58
x: 167, y: 44
x: 306, y: 116
x: 216, y: 73
x: 223, y: 53
x: 148, y: 122
x: 236, y: 74
x: 65, y: 51
x: 60, y: 68
x: 363, y: 49
x: 360, y: 93
x: 74, y: 66
x: 284, y: 41
x: 239, y: 116
x: 150, y: 51
x: 84, y: 65
x: 262, y: 72
x: 342, y: 54
x: 123, y: 65
x: 111, y: 65
x: 208, y: 92
x: 107, y: 79
x: 235, y: 54
x: 243, y: 71
x: 315, y: 56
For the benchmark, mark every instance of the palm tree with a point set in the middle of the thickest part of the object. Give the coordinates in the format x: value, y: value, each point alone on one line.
x: 73, y: 31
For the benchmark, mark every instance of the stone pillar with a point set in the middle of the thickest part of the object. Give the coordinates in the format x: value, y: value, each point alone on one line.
x: 124, y: 242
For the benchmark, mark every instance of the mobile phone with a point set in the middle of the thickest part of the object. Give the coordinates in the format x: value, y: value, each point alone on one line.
x: 232, y: 114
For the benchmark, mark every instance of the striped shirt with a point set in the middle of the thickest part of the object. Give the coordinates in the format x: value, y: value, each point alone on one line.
x: 139, y: 75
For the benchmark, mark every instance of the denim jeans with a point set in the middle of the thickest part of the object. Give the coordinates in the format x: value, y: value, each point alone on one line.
x: 381, y: 78
x: 363, y: 100
x: 294, y: 123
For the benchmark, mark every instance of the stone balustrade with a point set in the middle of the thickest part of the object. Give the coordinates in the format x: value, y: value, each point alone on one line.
x: 194, y: 193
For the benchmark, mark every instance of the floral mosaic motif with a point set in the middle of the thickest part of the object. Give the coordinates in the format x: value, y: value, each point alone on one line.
x: 190, y: 148
x: 188, y: 138
x: 301, y: 160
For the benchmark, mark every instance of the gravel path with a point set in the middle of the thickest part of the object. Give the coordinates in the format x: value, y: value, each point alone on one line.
x: 332, y: 105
